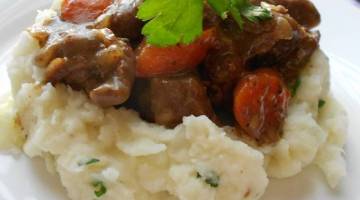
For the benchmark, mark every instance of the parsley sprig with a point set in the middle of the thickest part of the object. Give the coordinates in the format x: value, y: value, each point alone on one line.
x: 170, y: 22
x: 240, y: 9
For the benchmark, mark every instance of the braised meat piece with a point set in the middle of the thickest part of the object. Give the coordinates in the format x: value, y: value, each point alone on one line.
x: 279, y: 43
x: 91, y: 60
x: 166, y: 100
x: 303, y: 11
x: 226, y: 63
x: 120, y: 17
x: 176, y: 97
x: 210, y: 18
x: 289, y: 56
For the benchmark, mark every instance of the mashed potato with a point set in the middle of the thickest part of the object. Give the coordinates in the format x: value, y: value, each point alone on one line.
x: 114, y: 154
x: 134, y: 159
x: 10, y: 133
x: 311, y: 134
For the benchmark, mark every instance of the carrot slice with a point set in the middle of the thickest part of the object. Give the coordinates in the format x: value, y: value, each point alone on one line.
x: 260, y: 105
x: 152, y: 60
x: 80, y: 11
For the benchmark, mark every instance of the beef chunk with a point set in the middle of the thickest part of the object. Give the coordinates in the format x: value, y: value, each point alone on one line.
x: 91, y: 60
x: 279, y: 43
x: 166, y: 100
x: 120, y: 17
x: 303, y: 11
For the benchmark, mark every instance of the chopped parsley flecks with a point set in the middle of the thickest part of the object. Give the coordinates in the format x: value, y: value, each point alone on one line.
x: 99, y: 188
x: 295, y: 87
x: 88, y: 162
x: 211, y: 178
x: 321, y: 103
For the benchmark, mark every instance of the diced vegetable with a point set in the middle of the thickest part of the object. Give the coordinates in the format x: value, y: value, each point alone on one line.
x: 152, y: 60
x: 80, y: 11
x: 260, y: 104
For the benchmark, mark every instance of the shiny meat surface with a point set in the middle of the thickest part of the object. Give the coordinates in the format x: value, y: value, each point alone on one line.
x: 120, y: 17
x: 166, y: 100
x: 289, y: 56
x: 279, y: 43
x: 91, y: 60
x: 303, y: 11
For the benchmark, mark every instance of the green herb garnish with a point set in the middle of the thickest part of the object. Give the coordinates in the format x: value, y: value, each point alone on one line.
x: 99, y: 188
x: 321, y: 103
x: 92, y: 161
x: 295, y: 87
x: 240, y: 9
x: 88, y: 162
x: 210, y: 178
x: 171, y: 22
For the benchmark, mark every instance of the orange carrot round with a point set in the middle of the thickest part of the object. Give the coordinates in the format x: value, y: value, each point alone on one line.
x: 260, y: 105
x: 80, y: 11
x: 152, y: 60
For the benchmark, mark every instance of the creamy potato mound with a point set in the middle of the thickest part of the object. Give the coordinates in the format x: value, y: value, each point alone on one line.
x: 113, y: 154
x: 134, y: 159
x: 312, y: 134
x: 11, y: 137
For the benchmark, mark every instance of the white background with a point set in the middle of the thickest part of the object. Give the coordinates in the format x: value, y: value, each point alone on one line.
x: 22, y: 179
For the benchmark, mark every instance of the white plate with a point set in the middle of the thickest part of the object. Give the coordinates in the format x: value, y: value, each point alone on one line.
x: 22, y: 179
